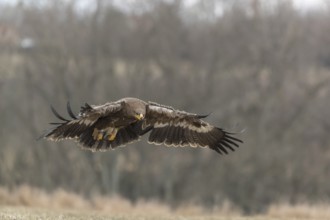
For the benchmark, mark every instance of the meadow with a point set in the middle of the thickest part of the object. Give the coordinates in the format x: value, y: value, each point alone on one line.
x: 27, y: 203
x: 28, y: 213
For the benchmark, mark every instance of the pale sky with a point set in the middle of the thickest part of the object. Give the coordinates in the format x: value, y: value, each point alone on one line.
x: 309, y: 4
x: 300, y: 4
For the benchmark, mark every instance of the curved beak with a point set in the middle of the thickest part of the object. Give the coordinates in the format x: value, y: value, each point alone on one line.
x: 139, y: 116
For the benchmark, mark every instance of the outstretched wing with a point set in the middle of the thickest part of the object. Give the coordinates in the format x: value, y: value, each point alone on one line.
x: 179, y: 128
x: 81, y: 127
x: 75, y: 127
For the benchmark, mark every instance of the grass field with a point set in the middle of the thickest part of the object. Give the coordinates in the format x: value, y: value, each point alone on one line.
x: 26, y: 203
x: 28, y: 213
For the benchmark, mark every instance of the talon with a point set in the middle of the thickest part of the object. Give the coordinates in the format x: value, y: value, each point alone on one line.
x: 99, y: 136
x: 112, y: 133
x: 112, y: 137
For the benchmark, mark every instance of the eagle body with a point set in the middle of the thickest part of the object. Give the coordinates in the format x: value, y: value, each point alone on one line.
x: 107, y: 126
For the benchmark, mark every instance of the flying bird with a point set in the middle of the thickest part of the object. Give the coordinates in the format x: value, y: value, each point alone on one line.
x: 103, y: 127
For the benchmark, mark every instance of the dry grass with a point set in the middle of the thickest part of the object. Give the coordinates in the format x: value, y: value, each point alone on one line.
x: 28, y: 213
x: 26, y: 196
x: 301, y: 211
x: 30, y: 203
x: 32, y: 197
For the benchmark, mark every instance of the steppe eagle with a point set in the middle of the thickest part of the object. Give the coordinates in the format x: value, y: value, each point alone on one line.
x: 103, y: 127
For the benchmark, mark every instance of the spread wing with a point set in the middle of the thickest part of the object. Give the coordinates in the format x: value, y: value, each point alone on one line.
x: 81, y: 127
x: 179, y: 128
x: 87, y: 117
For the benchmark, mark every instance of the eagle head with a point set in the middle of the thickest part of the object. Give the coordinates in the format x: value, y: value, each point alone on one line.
x: 135, y: 108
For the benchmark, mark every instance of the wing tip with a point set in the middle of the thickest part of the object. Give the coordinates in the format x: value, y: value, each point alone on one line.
x: 46, y: 135
x: 40, y: 137
x: 227, y: 142
x: 57, y: 114
x: 203, y: 116
x: 70, y: 112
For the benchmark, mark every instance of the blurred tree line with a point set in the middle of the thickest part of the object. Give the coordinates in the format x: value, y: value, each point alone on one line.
x: 255, y: 66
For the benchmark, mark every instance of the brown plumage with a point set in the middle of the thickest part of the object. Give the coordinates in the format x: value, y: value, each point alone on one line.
x: 122, y: 122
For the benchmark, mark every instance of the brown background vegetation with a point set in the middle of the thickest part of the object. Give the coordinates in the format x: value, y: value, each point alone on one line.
x: 262, y: 68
